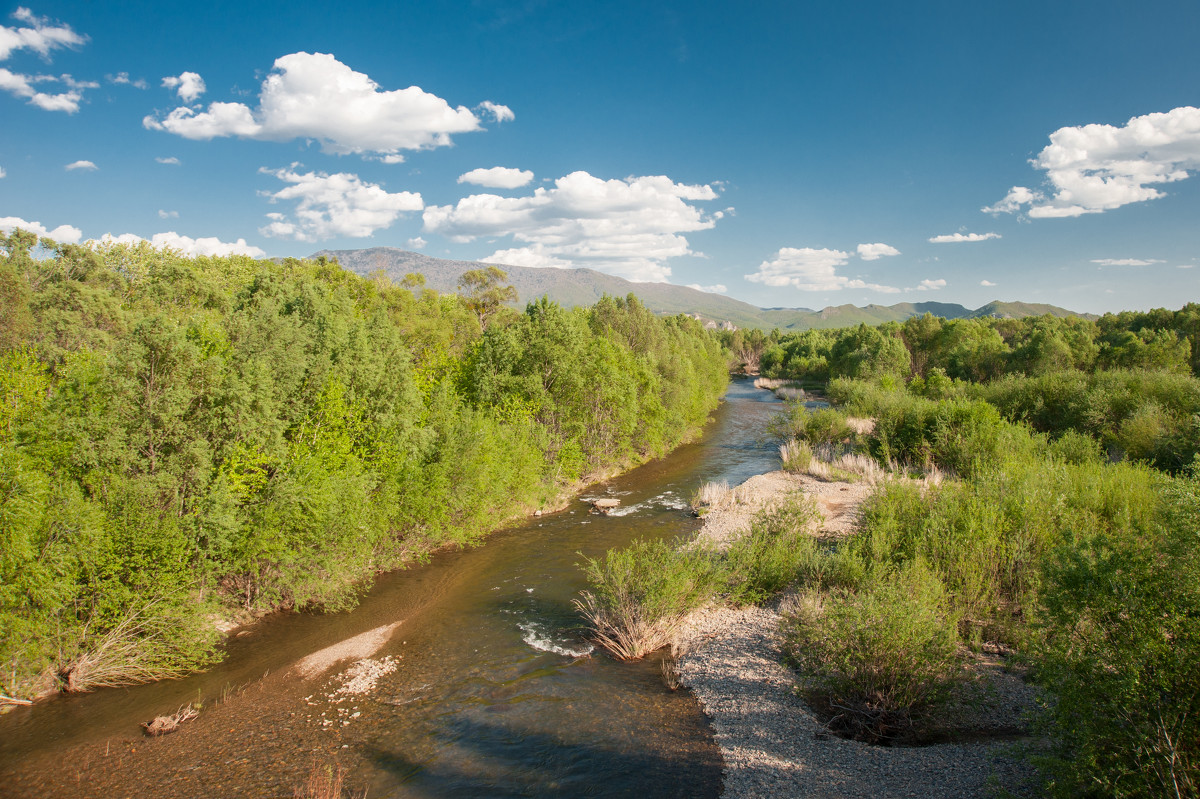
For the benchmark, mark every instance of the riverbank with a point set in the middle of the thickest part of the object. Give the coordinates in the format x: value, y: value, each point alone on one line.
x: 774, y: 746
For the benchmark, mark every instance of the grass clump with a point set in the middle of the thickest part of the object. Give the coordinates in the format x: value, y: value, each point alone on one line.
x: 639, y: 595
x: 778, y: 549
x: 879, y: 661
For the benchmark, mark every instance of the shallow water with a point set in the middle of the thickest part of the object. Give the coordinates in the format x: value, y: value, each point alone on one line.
x: 496, y: 691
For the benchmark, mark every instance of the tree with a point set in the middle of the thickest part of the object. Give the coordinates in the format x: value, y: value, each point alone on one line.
x: 485, y: 290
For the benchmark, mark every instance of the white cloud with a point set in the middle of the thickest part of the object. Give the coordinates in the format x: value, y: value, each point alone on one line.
x: 1186, y: 266
x: 315, y: 96
x: 209, y: 246
x: 931, y: 285
x: 330, y: 206
x: 42, y: 37
x: 1095, y: 168
x: 122, y: 79
x: 719, y: 288
x: 168, y: 160
x: 189, y: 85
x: 2, y: 172
x: 23, y: 86
x: 64, y: 234
x: 498, y: 177
x: 809, y: 269
x: 500, y: 113
x: 949, y: 238
x: 167, y: 214
x: 986, y: 283
x: 38, y: 35
x: 1126, y: 261
x: 625, y: 227
x: 873, y: 252
x: 417, y: 244
x: 87, y: 166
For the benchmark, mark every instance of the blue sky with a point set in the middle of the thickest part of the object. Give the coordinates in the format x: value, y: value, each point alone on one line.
x: 787, y: 154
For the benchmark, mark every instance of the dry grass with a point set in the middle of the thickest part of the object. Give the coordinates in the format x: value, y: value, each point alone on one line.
x: 860, y: 426
x: 716, y: 496
x: 784, y: 389
x: 324, y: 782
x: 626, y: 630
x: 167, y: 724
x: 128, y: 654
x: 824, y: 463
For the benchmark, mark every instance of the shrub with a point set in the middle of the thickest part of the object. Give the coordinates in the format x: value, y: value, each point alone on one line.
x: 796, y: 455
x: 638, y: 596
x: 777, y: 550
x: 878, y: 661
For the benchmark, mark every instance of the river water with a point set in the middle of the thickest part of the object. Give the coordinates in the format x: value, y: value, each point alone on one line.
x: 495, y: 692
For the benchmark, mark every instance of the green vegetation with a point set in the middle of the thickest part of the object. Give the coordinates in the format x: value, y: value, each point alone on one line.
x: 1067, y: 531
x: 639, y: 595
x: 180, y: 437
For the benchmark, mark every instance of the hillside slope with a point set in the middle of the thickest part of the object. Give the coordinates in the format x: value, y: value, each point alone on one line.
x: 572, y: 287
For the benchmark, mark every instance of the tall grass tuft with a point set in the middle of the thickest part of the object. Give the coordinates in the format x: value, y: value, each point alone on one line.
x: 639, y: 596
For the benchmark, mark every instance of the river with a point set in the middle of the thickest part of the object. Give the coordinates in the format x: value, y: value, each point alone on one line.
x: 494, y: 693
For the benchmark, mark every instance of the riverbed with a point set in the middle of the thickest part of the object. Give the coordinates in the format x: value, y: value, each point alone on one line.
x: 481, y: 681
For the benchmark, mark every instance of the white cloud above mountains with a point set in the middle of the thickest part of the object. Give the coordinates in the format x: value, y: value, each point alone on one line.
x: 42, y: 37
x: 188, y: 85
x: 952, y: 238
x: 624, y: 227
x: 809, y: 269
x: 330, y: 206
x: 315, y: 96
x: 498, y: 177
x: 1127, y: 261
x: 931, y: 285
x: 1095, y: 168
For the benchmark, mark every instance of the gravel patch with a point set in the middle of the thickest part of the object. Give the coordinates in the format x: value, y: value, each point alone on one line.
x: 774, y: 746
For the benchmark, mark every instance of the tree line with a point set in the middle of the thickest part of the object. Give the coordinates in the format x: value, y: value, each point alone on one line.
x: 184, y: 436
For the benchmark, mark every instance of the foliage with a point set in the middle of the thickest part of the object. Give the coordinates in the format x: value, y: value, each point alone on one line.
x: 879, y: 660
x: 181, y: 436
x: 639, y: 595
x: 778, y: 549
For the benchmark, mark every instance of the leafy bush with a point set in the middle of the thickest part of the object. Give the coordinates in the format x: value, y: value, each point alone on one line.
x: 1119, y: 646
x: 778, y: 549
x: 877, y: 661
x: 639, y: 595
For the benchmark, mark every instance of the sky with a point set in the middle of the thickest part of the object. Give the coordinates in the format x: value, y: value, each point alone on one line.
x: 788, y: 154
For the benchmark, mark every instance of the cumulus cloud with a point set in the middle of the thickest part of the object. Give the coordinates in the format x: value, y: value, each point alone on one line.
x: 810, y: 269
x: 417, y: 244
x: 328, y: 206
x: 931, y: 285
x: 209, y: 245
x: 168, y: 160
x: 873, y: 252
x: 87, y: 166
x: 189, y: 85
x: 123, y: 79
x: 2, y: 172
x: 986, y: 283
x: 1095, y: 168
x: 42, y: 37
x: 718, y: 288
x: 1126, y: 261
x: 167, y: 214
x: 498, y: 177
x: 950, y: 238
x: 64, y: 234
x: 315, y: 96
x: 500, y: 113
x: 37, y: 34
x: 23, y: 86
x: 625, y: 227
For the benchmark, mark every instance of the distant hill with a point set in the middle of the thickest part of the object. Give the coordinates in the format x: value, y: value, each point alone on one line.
x: 572, y: 287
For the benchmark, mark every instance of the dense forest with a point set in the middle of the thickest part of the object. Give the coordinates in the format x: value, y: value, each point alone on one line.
x: 184, y: 437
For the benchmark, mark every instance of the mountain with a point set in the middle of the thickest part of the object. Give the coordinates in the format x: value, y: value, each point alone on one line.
x: 572, y: 287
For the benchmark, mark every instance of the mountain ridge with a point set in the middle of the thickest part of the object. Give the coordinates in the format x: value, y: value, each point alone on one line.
x: 572, y: 287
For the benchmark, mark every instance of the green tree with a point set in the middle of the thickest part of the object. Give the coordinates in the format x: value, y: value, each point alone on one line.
x: 484, y: 291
